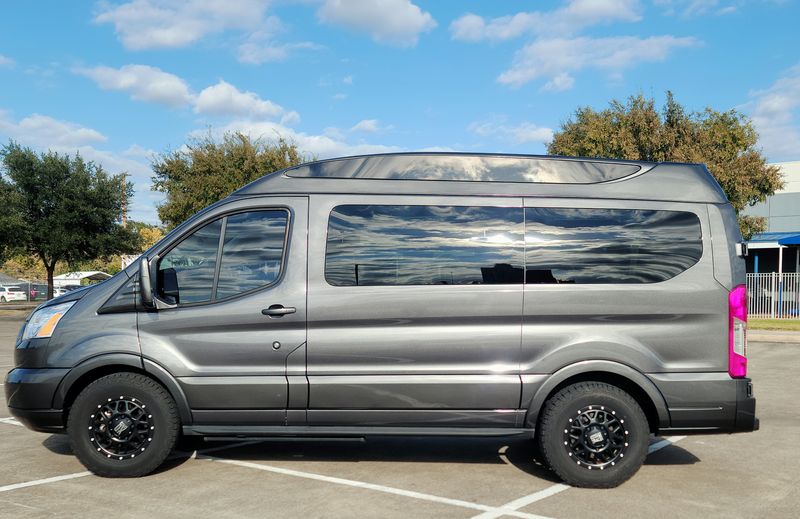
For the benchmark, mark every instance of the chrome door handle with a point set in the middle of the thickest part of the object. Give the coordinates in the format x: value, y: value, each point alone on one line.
x: 278, y: 310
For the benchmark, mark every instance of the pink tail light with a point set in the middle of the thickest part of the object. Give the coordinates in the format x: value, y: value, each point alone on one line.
x: 737, y: 332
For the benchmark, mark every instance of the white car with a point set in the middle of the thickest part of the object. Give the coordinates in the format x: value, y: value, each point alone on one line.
x: 12, y: 294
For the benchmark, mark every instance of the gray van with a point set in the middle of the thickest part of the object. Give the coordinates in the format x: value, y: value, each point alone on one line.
x: 586, y: 304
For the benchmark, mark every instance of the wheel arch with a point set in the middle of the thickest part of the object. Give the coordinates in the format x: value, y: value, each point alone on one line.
x: 626, y: 378
x: 91, y: 369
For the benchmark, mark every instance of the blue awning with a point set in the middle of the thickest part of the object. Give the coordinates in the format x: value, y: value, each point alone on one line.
x: 781, y: 238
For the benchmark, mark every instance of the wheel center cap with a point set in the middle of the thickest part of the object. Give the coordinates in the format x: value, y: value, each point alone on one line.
x: 596, y: 436
x: 120, y: 426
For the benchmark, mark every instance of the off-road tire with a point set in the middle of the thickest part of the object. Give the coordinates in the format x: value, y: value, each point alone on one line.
x: 161, y: 413
x: 567, y: 404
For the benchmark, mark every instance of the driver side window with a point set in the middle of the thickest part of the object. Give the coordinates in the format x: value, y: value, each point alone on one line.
x: 229, y: 256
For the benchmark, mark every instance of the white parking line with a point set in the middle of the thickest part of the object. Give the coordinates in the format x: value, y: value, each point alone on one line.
x: 524, y: 501
x: 10, y: 421
x: 372, y: 486
x: 45, y: 481
x: 666, y: 442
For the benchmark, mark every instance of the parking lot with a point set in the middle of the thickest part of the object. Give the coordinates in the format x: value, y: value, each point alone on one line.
x: 744, y: 475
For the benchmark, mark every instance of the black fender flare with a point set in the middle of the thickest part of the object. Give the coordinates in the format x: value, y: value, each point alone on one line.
x: 108, y: 362
x: 598, y: 366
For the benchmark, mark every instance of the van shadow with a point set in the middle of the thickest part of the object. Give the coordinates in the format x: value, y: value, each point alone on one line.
x: 521, y: 453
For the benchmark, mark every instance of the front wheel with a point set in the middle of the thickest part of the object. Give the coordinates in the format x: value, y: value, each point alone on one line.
x: 594, y: 435
x: 123, y: 425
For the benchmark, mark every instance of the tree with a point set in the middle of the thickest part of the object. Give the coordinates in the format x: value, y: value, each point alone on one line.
x: 207, y: 170
x: 726, y: 142
x: 63, y: 208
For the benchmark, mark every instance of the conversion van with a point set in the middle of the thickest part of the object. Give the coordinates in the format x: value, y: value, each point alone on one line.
x: 585, y: 304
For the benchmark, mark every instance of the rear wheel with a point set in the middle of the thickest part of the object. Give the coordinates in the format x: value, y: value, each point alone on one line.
x: 123, y: 425
x: 593, y: 434
x: 3, y: 299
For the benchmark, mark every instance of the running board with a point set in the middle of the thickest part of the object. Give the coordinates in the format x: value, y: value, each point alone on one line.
x: 322, y: 431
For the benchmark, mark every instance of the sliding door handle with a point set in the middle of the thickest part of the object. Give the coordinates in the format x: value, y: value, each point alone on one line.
x: 278, y: 310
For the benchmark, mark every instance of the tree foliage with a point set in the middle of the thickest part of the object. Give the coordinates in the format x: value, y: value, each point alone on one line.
x: 207, y: 170
x: 61, y: 208
x: 726, y: 142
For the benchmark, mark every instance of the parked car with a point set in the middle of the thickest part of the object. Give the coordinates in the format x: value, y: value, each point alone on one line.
x: 585, y: 304
x: 12, y: 293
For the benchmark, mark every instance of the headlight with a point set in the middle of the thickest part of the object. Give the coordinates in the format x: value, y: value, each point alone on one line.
x: 43, y: 322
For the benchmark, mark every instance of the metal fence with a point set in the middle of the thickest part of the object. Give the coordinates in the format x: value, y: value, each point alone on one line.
x: 773, y: 295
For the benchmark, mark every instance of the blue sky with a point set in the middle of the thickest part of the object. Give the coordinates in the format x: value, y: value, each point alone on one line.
x: 121, y: 80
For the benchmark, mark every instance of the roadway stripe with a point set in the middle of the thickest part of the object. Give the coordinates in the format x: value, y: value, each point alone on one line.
x: 372, y: 486
x: 524, y: 501
x: 666, y: 442
x: 45, y: 481
x: 10, y: 421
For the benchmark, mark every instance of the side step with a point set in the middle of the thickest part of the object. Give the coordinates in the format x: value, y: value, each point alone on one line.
x: 323, y: 431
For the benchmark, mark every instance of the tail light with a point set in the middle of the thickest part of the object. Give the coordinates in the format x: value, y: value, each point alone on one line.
x: 737, y: 332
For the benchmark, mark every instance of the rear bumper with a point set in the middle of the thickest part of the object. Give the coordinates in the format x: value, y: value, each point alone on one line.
x: 29, y: 396
x: 708, y: 402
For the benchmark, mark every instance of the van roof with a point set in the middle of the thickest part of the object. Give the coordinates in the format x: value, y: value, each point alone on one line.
x: 484, y: 174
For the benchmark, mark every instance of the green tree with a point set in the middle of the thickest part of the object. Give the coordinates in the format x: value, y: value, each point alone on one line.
x: 207, y: 170
x: 63, y: 208
x: 726, y: 142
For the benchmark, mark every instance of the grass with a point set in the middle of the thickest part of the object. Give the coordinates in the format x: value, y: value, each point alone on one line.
x: 774, y: 324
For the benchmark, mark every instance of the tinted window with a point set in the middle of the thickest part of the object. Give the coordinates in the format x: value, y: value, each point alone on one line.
x: 609, y: 245
x: 195, y: 262
x: 424, y: 245
x: 252, y: 251
x: 468, y: 168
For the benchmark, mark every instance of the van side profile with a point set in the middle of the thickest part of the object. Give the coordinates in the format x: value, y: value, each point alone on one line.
x: 584, y: 303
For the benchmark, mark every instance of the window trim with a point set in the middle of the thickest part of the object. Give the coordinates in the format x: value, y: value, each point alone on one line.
x: 327, y: 235
x: 224, y: 216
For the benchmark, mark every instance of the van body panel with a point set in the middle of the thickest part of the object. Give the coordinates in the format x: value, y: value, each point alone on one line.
x: 409, y: 347
x: 222, y: 353
x: 656, y: 327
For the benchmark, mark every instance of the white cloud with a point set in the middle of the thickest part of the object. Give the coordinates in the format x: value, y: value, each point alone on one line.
x: 142, y: 82
x: 225, y: 99
x: 330, y: 144
x: 257, y: 52
x: 523, y: 133
x: 340, y: 96
x: 347, y: 80
x: 394, y: 22
x: 5, y: 61
x: 45, y: 132
x: 556, y: 58
x: 157, y: 24
x: 369, y: 126
x: 776, y: 116
x: 574, y: 16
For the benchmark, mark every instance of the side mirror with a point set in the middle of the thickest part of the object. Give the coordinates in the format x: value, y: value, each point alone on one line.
x: 145, y: 285
x: 741, y: 249
x: 168, y: 284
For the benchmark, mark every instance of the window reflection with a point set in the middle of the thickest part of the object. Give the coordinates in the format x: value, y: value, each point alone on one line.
x: 252, y: 250
x: 424, y: 245
x: 251, y: 256
x: 470, y: 168
x: 195, y: 262
x: 609, y: 245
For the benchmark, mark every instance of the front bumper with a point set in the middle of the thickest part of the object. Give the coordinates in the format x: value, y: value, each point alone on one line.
x: 708, y: 402
x: 29, y: 396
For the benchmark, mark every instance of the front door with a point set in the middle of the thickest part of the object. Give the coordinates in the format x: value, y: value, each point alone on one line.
x: 239, y: 310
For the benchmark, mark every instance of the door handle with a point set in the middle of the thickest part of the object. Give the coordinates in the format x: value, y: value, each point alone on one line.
x: 278, y: 310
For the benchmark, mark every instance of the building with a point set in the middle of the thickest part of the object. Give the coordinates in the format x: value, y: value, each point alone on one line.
x: 778, y: 248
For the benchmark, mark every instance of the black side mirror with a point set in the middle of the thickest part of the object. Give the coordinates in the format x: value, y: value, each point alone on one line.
x: 145, y: 285
x: 168, y: 284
